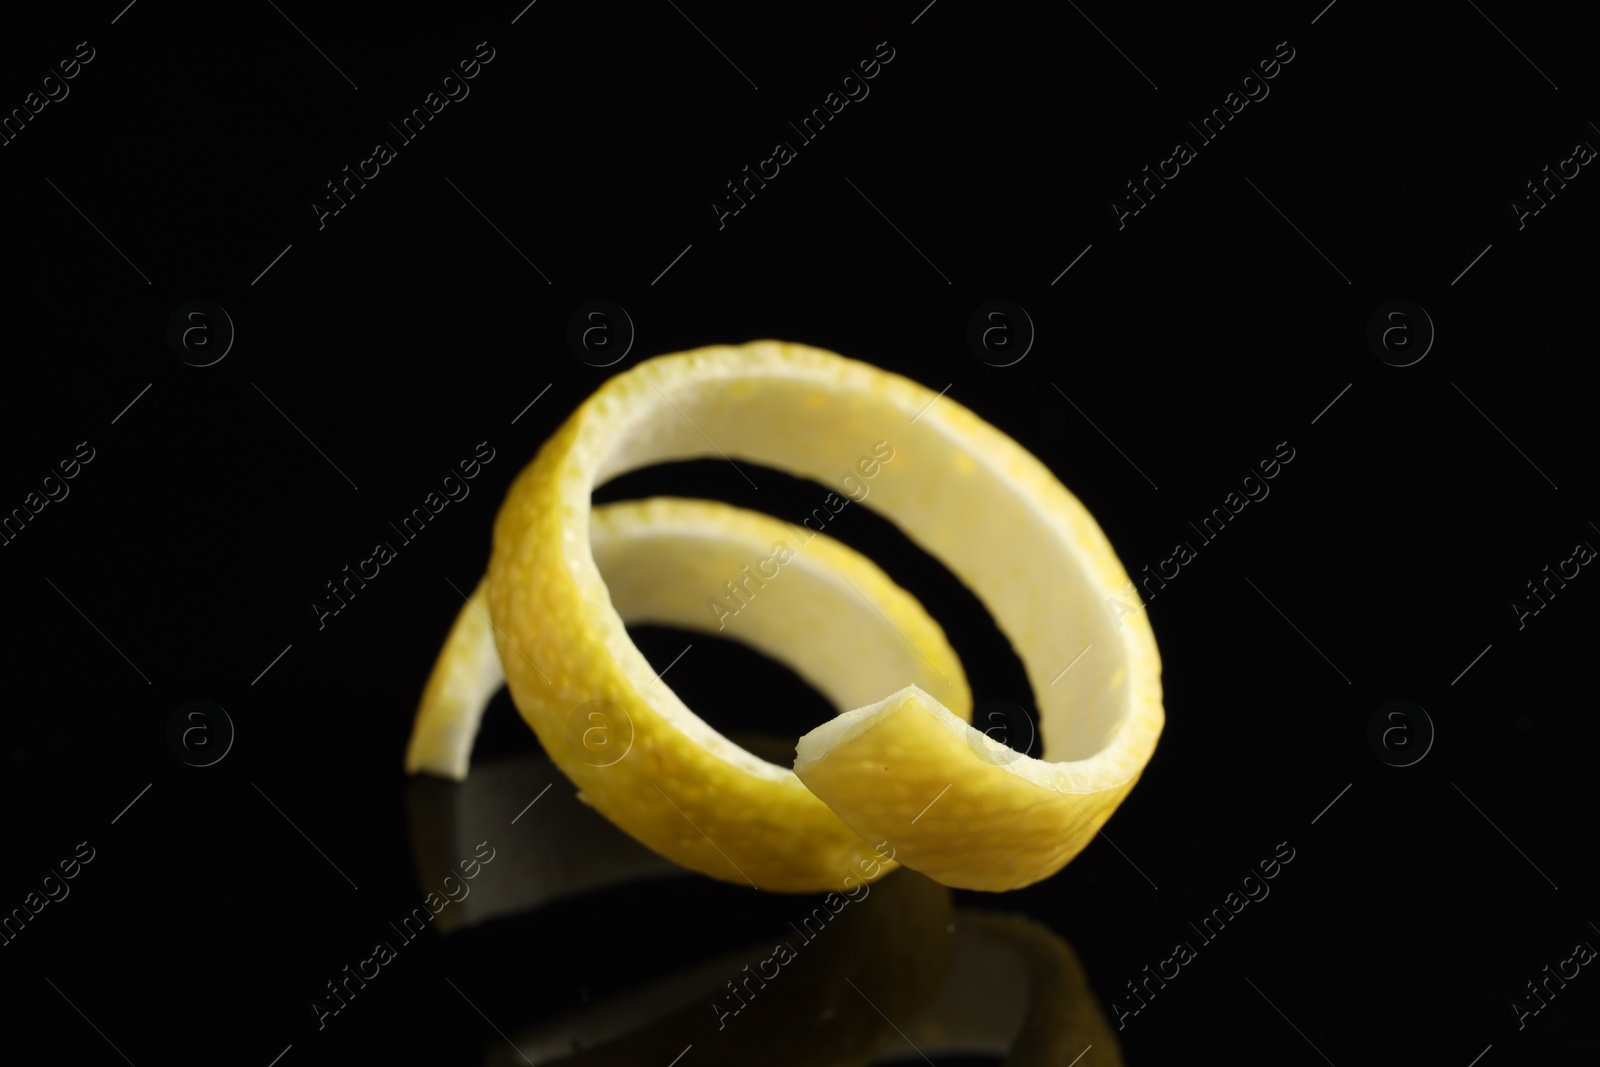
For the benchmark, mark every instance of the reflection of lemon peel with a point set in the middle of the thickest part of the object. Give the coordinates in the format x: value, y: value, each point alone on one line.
x: 1063, y: 1018
x: 663, y: 560
x: 951, y: 983
x: 1015, y: 537
x: 890, y: 945
x: 561, y: 849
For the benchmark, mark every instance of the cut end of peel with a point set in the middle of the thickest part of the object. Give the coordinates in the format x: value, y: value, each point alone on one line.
x: 814, y: 747
x: 955, y: 805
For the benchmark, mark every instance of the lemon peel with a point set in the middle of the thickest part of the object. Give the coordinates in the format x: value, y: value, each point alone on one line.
x: 960, y: 489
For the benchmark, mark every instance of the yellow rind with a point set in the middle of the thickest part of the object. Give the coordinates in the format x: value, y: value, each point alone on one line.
x: 686, y: 791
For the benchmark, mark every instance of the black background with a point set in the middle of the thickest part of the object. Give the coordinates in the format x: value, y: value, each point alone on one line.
x: 1221, y: 320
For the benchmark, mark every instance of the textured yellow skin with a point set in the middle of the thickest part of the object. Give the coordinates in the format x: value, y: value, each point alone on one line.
x: 694, y: 797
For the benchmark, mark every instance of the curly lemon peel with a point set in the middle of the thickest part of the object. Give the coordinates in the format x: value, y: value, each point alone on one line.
x: 960, y: 489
